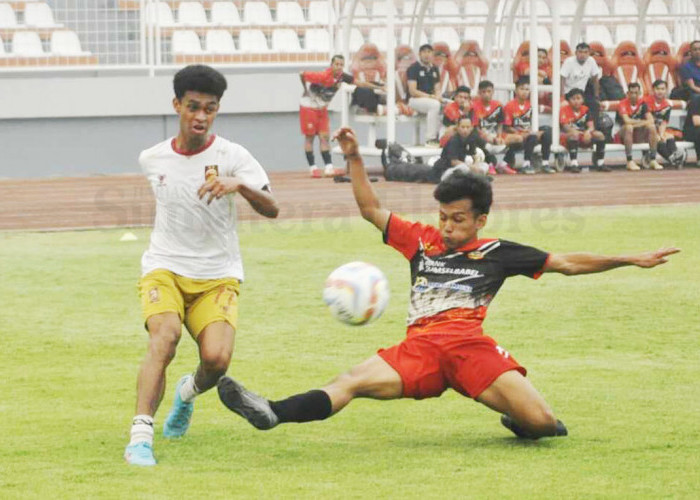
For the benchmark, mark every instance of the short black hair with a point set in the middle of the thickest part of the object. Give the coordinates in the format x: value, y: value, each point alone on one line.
x: 583, y: 45
x: 542, y: 50
x: 461, y: 185
x: 523, y: 80
x: 693, y: 43
x: 463, y: 88
x: 485, y: 84
x: 337, y: 56
x: 199, y: 78
x: 634, y: 85
x: 658, y: 83
x: 425, y: 46
x: 573, y: 92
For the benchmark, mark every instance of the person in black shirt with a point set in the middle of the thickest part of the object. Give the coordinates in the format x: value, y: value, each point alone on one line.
x: 455, y: 275
x: 464, y: 148
x: 691, y: 128
x: 424, y: 92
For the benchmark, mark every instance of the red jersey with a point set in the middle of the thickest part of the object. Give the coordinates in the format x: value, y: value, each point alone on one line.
x: 518, y: 116
x: 661, y: 111
x: 523, y: 68
x: 322, y: 86
x: 451, y: 289
x: 487, y: 117
x: 577, y: 119
x: 634, y: 111
x: 452, y: 114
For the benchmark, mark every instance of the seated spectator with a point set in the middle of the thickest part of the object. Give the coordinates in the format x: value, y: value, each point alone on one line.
x: 459, y: 108
x: 424, y: 92
x: 488, y: 118
x: 518, y: 130
x: 578, y: 131
x: 636, y: 126
x: 544, y: 70
x: 690, y: 71
x: 660, y: 110
x: 691, y: 128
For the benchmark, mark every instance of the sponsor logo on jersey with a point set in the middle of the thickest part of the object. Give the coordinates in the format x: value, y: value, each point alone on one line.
x: 154, y: 295
x: 476, y: 255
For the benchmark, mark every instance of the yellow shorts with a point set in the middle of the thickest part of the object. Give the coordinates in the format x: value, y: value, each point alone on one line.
x: 197, y: 302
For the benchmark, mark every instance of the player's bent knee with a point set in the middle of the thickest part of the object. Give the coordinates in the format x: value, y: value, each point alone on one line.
x: 216, y: 361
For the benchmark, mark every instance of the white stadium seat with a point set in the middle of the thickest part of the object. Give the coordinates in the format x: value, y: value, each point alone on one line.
x: 191, y: 14
x: 474, y: 33
x: 360, y: 12
x: 219, y: 42
x: 186, y: 42
x: 317, y: 40
x: 321, y: 13
x: 256, y: 14
x: 66, y: 43
x: 290, y: 13
x: 7, y: 16
x: 597, y: 33
x: 225, y: 14
x: 596, y: 8
x: 159, y: 14
x: 377, y: 36
x: 356, y: 39
x: 567, y: 7
x: 625, y: 8
x: 285, y: 40
x: 655, y: 32
x: 404, y: 38
x: 625, y: 32
x: 447, y: 35
x: 445, y: 12
x: 544, y: 37
x: 657, y: 7
x: 476, y: 8
x: 543, y: 8
x: 27, y: 44
x: 252, y: 41
x: 39, y: 15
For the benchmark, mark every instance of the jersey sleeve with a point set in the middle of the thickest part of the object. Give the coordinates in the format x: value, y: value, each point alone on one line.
x: 246, y: 168
x: 403, y: 235
x: 521, y: 259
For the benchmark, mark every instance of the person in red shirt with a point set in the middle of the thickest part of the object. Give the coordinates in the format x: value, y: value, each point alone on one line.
x: 660, y: 109
x: 455, y: 275
x: 544, y: 69
x: 578, y: 130
x: 518, y: 130
x: 636, y: 125
x: 460, y: 107
x: 488, y: 118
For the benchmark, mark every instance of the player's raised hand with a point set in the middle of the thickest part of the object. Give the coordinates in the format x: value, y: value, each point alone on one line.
x: 653, y: 259
x: 218, y: 187
x: 347, y: 141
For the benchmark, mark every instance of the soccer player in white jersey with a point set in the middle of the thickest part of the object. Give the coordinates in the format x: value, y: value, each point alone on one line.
x: 192, y: 268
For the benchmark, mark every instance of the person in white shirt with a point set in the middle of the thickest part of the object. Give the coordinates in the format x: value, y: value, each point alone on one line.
x: 191, y: 271
x: 583, y: 73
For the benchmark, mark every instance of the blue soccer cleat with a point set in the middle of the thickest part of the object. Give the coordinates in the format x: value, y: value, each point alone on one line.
x: 180, y: 415
x: 139, y: 454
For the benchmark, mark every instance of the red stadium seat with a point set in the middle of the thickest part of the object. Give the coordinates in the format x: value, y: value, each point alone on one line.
x: 564, y: 49
x: 472, y: 66
x: 601, y: 58
x: 368, y: 64
x: 628, y: 67
x: 522, y: 55
x: 448, y: 69
x: 660, y: 65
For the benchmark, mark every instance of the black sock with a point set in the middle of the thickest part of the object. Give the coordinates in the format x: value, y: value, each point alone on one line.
x: 671, y: 145
x: 599, y: 150
x: 529, y: 144
x: 546, y: 141
x: 326, y: 155
x: 310, y: 158
x: 312, y: 405
x: 629, y: 156
x: 652, y: 154
x: 572, y: 146
x: 509, y: 157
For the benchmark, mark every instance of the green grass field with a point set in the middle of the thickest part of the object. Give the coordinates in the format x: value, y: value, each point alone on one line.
x: 616, y: 355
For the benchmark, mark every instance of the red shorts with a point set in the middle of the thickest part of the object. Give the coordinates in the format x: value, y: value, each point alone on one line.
x: 313, y: 121
x: 429, y: 364
x: 563, y: 137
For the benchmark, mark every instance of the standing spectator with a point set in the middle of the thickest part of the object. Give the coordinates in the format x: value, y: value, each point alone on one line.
x: 582, y: 72
x: 637, y: 125
x: 690, y: 71
x: 578, y: 130
x: 424, y: 92
x: 319, y: 89
x: 460, y: 108
x: 691, y: 128
x: 488, y: 117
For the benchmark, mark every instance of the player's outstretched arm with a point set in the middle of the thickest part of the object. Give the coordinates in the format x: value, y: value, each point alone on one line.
x: 365, y: 197
x: 586, y: 263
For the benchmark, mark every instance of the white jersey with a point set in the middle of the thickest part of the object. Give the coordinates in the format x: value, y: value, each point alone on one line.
x: 189, y: 237
x: 576, y: 75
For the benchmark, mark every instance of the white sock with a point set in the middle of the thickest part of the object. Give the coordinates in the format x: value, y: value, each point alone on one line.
x: 142, y: 430
x: 526, y: 164
x: 188, y: 390
x: 545, y: 163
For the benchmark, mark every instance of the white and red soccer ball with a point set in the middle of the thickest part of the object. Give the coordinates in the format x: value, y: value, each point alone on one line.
x: 356, y: 293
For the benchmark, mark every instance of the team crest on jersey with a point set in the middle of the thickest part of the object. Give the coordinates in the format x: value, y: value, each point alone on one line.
x: 154, y: 295
x: 211, y: 171
x: 476, y: 255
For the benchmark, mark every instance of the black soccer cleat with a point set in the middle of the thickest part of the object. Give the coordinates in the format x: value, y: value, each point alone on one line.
x: 255, y: 409
x: 512, y: 426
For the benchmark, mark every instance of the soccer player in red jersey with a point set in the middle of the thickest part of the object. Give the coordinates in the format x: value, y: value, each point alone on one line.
x: 636, y: 125
x: 578, y: 130
x: 460, y: 107
x: 455, y: 275
x: 518, y: 130
x: 660, y: 109
x: 488, y: 118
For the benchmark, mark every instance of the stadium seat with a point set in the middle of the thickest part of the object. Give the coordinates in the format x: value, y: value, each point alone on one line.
x: 475, y: 33
x: 601, y: 34
x: 7, y: 16
x: 252, y: 41
x: 564, y: 50
x: 404, y: 58
x: 39, y: 15
x: 317, y: 40
x: 405, y: 35
x: 657, y: 8
x: 360, y: 16
x: 625, y: 8
x: 380, y: 10
x: 368, y: 64
x: 285, y: 40
x: 377, y: 36
x: 543, y: 36
x: 219, y: 42
x: 320, y: 12
x: 191, y: 14
x: 472, y: 66
x: 290, y: 14
x: 356, y: 39
x: 445, y: 12
x: 625, y: 32
x: 448, y: 69
x: 256, y: 14
x: 448, y: 35
x: 159, y: 14
x: 225, y: 14
x: 656, y: 32
x: 600, y: 54
x: 660, y: 65
x: 186, y: 42
x: 522, y: 54
x: 567, y: 7
x: 476, y: 10
x: 596, y: 8
x: 27, y: 44
x: 627, y: 66
x: 66, y: 43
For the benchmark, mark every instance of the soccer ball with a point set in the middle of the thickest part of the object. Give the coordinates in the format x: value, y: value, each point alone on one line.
x: 356, y: 293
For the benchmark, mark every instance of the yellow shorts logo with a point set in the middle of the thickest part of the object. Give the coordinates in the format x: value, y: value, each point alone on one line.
x: 153, y: 295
